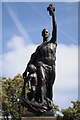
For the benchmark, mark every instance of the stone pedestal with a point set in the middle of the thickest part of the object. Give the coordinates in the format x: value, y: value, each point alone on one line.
x: 44, y: 116
x: 39, y: 118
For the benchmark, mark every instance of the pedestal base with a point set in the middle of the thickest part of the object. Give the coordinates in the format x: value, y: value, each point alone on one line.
x: 39, y: 118
x: 44, y: 116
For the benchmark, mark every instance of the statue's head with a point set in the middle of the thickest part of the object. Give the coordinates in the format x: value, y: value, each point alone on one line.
x: 45, y: 33
x: 32, y: 68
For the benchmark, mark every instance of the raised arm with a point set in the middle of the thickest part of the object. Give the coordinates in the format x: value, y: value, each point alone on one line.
x: 51, y: 10
x: 54, y: 32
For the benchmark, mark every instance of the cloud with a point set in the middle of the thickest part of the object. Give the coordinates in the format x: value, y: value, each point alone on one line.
x: 15, y: 60
x: 66, y: 82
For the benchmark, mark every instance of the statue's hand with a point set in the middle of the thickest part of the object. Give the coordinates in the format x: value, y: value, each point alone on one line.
x: 51, y: 9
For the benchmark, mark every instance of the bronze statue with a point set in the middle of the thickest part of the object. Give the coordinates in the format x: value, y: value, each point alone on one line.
x: 40, y: 72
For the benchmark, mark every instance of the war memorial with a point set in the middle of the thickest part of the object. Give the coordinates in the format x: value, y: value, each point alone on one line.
x: 40, y: 76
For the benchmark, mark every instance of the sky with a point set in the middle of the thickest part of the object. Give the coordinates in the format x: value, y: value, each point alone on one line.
x: 22, y: 24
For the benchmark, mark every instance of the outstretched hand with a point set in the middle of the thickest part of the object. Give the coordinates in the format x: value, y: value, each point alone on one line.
x: 51, y: 9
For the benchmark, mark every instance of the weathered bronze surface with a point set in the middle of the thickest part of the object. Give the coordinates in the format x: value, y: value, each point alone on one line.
x: 40, y: 72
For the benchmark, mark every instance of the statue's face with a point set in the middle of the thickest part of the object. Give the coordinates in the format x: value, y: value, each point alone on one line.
x: 45, y: 33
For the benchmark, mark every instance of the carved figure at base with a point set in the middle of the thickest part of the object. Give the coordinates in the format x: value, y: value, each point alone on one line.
x: 32, y: 81
x: 40, y: 72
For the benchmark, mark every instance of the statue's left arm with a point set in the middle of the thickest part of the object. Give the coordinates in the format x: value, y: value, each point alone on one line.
x: 32, y: 61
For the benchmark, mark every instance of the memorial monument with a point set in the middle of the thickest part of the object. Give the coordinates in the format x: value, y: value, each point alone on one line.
x: 40, y: 73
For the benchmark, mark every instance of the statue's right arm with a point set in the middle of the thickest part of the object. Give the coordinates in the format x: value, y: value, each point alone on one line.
x: 51, y: 10
x: 54, y: 32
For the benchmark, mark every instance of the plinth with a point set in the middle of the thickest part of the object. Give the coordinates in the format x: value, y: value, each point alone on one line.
x: 39, y: 118
x: 45, y: 116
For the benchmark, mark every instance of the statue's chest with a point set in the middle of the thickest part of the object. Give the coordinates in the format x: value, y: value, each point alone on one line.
x: 47, y: 49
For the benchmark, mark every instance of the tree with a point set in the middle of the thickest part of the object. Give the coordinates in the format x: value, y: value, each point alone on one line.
x: 11, y: 97
x: 71, y: 113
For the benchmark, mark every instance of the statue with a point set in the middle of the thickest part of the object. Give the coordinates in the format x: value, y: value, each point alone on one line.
x: 40, y: 72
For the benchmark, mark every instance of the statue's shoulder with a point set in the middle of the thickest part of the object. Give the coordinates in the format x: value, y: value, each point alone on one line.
x: 52, y: 46
x: 38, y: 47
x: 52, y: 43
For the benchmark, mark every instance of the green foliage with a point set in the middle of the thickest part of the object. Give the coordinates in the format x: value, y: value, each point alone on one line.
x: 11, y: 97
x: 55, y: 108
x: 71, y: 113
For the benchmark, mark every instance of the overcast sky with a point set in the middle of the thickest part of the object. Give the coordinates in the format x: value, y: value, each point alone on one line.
x: 22, y: 24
